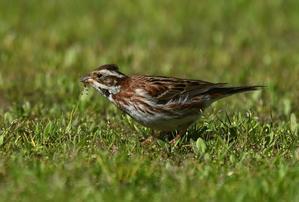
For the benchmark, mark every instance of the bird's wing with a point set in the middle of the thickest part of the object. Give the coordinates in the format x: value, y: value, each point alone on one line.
x: 165, y: 90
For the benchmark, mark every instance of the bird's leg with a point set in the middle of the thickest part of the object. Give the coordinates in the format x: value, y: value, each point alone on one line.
x: 151, y: 138
x: 147, y: 141
x: 178, y: 136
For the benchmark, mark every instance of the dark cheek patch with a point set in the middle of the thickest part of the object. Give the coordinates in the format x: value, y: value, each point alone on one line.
x: 110, y: 81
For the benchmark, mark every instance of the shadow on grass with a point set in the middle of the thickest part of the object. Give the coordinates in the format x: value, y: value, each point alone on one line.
x: 226, y: 131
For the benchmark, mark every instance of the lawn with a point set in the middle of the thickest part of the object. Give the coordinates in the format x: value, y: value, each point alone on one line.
x: 59, y: 144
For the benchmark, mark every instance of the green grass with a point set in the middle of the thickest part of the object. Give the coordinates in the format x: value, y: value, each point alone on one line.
x: 57, y: 145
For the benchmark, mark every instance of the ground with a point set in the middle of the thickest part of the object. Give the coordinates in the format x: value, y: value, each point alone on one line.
x: 57, y: 144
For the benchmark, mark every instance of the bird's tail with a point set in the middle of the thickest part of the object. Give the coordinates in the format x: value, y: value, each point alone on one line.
x: 221, y: 92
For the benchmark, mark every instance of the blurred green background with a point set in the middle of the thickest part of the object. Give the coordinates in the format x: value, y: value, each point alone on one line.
x: 56, y: 144
x: 240, y: 42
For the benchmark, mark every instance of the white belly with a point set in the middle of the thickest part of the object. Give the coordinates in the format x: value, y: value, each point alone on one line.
x: 161, y: 121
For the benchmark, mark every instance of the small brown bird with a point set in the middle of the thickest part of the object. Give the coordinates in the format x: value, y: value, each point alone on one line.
x: 161, y: 103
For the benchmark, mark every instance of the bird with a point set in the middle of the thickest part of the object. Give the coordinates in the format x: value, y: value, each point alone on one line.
x: 165, y: 104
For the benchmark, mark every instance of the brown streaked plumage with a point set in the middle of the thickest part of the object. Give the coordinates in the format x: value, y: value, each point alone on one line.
x: 161, y: 103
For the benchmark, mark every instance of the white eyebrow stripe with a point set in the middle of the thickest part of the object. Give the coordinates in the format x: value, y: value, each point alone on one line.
x: 111, y: 73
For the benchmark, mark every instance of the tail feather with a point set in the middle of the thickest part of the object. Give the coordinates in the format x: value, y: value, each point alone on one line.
x: 220, y: 92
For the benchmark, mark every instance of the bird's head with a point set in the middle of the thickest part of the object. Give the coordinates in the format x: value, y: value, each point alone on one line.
x: 106, y: 79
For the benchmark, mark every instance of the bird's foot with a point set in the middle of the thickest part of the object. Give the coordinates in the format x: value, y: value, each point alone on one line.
x: 147, y: 141
x: 177, y: 138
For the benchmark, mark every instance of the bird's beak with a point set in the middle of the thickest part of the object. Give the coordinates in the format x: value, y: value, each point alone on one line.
x: 86, y: 79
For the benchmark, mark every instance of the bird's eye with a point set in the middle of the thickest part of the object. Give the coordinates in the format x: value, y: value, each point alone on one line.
x: 99, y: 76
